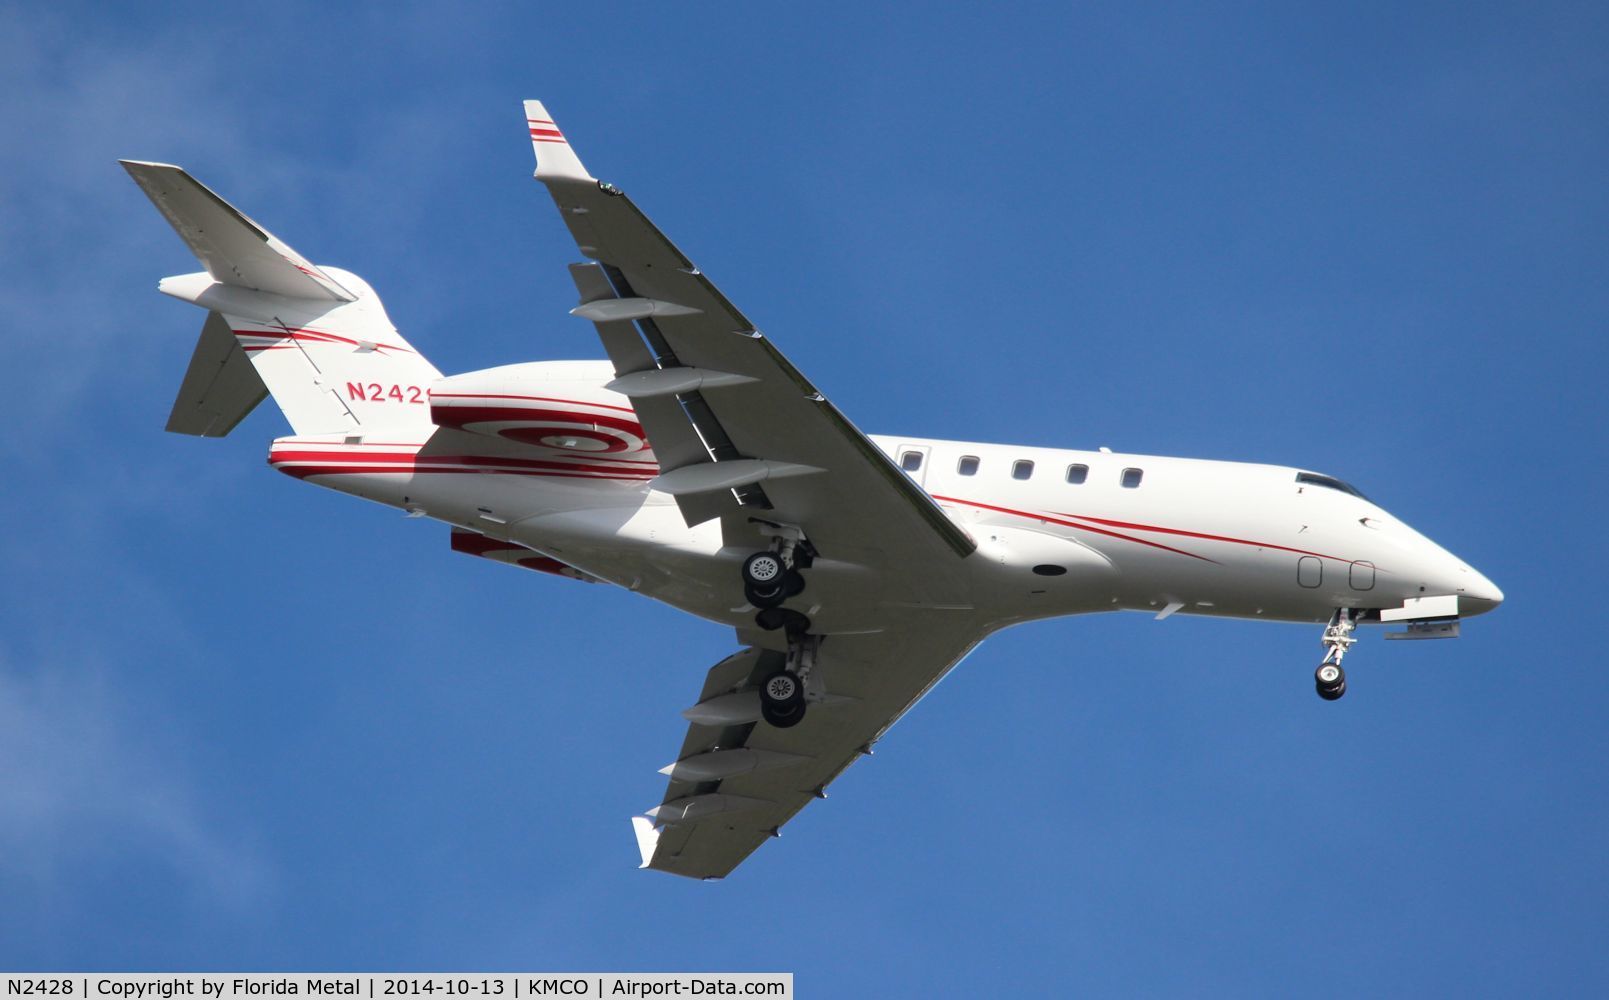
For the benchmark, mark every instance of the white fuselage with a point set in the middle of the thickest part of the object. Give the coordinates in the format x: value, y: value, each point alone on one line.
x: 758, y: 504
x: 1118, y: 532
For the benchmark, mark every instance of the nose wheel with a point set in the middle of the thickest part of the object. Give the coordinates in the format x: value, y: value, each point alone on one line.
x: 1329, y: 678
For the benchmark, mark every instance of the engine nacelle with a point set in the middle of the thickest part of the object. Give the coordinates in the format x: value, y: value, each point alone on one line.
x: 561, y: 406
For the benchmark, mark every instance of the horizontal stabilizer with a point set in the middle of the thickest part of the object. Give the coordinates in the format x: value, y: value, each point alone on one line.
x: 220, y: 387
x: 233, y: 249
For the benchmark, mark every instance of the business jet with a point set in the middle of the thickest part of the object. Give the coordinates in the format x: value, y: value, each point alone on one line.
x: 699, y: 467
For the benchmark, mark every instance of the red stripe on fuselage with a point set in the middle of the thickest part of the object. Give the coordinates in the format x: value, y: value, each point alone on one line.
x: 305, y: 471
x: 1075, y: 524
x: 460, y: 416
x: 538, y: 399
x: 467, y: 462
x: 314, y: 337
x: 1203, y: 535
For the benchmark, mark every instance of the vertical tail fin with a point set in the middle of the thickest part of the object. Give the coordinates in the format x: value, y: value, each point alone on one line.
x: 317, y: 338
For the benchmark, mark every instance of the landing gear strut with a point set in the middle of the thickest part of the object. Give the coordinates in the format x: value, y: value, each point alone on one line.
x: 782, y: 695
x: 1329, y: 678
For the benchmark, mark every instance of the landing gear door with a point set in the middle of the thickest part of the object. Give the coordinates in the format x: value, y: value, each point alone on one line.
x: 913, y: 458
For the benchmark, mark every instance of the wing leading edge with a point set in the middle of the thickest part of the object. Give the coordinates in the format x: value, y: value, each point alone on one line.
x: 752, y: 403
x: 742, y: 435
x: 737, y: 781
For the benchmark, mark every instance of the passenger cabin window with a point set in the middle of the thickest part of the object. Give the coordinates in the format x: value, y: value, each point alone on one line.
x: 911, y: 461
x: 1329, y: 483
x: 968, y: 466
x: 1077, y: 474
x: 1022, y: 469
x: 1131, y: 478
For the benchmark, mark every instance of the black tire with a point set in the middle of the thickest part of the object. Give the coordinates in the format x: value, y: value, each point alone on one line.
x: 793, y: 584
x: 765, y: 598
x: 764, y: 571
x: 1330, y: 680
x: 782, y: 700
x: 782, y: 718
x: 770, y: 619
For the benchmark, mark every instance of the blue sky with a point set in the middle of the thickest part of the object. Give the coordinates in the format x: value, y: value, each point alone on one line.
x: 245, y: 724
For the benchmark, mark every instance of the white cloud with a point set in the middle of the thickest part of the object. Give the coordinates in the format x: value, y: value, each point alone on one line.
x: 82, y: 250
x: 82, y: 779
x: 71, y: 243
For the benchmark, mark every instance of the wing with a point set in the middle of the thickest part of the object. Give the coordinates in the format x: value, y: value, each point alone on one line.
x: 741, y: 435
x: 739, y: 432
x: 737, y: 781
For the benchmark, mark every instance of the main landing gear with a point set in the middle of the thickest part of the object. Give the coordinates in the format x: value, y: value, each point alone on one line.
x: 770, y: 578
x: 1329, y: 678
x: 782, y: 695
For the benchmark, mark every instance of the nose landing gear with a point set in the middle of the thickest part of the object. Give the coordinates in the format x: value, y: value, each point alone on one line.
x: 1329, y: 678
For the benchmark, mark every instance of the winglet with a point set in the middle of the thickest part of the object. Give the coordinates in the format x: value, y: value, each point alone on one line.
x: 647, y: 833
x: 555, y: 160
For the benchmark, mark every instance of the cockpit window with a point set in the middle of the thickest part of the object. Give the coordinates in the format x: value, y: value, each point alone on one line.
x: 1329, y: 483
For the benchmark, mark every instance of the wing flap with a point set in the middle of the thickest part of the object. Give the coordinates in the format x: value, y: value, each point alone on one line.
x: 867, y: 505
x: 674, y: 440
x: 871, y: 680
x: 854, y: 505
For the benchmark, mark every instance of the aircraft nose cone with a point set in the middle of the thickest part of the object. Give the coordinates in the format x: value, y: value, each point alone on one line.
x: 1478, y: 595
